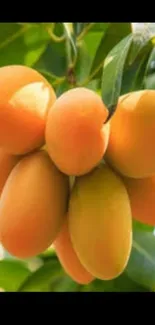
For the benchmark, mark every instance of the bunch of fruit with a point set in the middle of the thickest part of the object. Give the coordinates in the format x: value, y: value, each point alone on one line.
x: 72, y: 178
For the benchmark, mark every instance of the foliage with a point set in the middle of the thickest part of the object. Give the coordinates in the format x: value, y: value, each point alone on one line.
x: 110, y: 58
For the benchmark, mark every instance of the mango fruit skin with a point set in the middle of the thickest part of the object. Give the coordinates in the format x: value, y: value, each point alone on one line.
x: 7, y: 163
x: 25, y: 99
x: 75, y: 134
x: 68, y: 258
x: 131, y: 146
x: 141, y: 193
x: 100, y: 223
x: 32, y: 206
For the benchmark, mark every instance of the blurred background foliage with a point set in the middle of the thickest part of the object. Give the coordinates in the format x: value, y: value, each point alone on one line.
x: 112, y: 59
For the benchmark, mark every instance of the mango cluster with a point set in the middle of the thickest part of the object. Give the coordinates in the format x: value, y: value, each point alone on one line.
x: 72, y: 178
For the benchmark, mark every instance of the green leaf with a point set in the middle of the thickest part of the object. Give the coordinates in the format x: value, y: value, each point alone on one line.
x: 134, y: 75
x: 52, y: 79
x: 78, y: 27
x: 83, y: 63
x: 149, y: 78
x: 149, y: 82
x: 64, y: 284
x: 139, y: 61
x: 150, y: 68
x: 92, y: 41
x: 143, y: 38
x: 21, y: 44
x: 86, y: 50
x: 48, y: 254
x: 141, y: 226
x: 53, y: 60
x: 60, y: 89
x: 95, y: 85
x: 141, y: 265
x: 12, y: 274
x: 114, y: 33
x: 41, y: 279
x: 71, y: 43
x: 113, y: 72
x: 100, y: 27
x: 121, y: 284
x: 9, y: 31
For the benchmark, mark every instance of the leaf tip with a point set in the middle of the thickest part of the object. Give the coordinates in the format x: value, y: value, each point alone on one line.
x: 111, y: 110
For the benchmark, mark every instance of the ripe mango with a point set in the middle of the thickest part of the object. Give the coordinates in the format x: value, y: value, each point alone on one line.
x: 7, y: 163
x: 68, y: 258
x: 76, y: 133
x: 32, y: 206
x: 131, y: 146
x: 142, y: 198
x: 100, y: 222
x: 25, y: 99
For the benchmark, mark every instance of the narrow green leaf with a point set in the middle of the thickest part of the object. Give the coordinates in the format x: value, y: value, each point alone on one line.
x: 83, y: 63
x: 150, y: 68
x: 43, y: 277
x: 81, y: 29
x: 70, y: 44
x: 141, y: 265
x: 12, y: 274
x: 134, y: 75
x: 9, y: 31
x: 149, y: 78
x: 95, y: 85
x: 92, y: 41
x: 78, y: 27
x: 113, y: 33
x: 53, y: 60
x: 149, y: 82
x: 21, y: 44
x: 86, y: 50
x: 113, y: 72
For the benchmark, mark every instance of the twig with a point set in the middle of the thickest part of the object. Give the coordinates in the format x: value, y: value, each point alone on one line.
x: 85, y: 31
x: 54, y: 37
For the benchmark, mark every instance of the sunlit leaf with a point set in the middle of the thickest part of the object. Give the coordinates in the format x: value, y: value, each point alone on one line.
x: 12, y: 274
x: 21, y: 44
x: 141, y: 266
x: 149, y: 78
x: 86, y: 50
x: 70, y: 44
x: 78, y: 27
x: 113, y: 72
x: 83, y: 63
x: 113, y: 33
x: 41, y: 279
